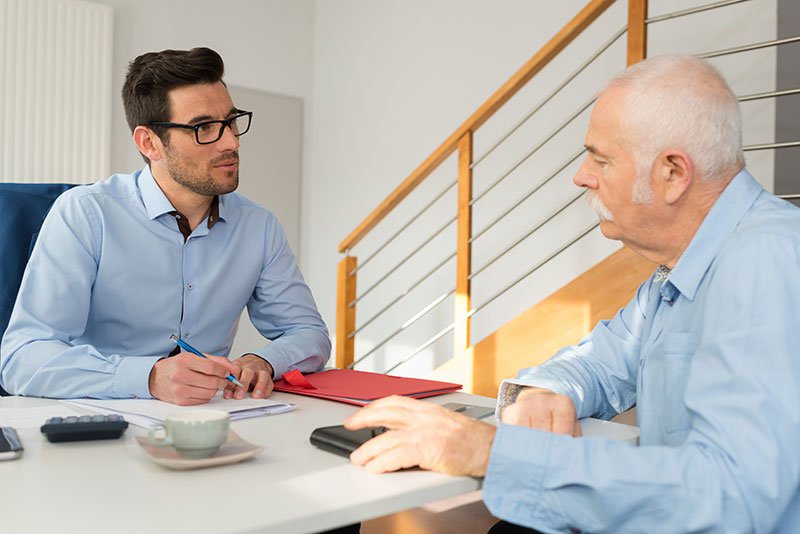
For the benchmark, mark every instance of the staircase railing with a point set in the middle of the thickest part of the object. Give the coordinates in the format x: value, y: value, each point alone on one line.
x: 461, y: 144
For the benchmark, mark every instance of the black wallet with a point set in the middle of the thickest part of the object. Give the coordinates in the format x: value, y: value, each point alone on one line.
x: 339, y: 440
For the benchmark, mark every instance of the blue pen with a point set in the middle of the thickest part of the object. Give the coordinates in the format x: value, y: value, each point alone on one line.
x: 185, y: 346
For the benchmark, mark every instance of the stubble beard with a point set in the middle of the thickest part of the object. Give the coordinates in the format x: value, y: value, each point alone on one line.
x: 203, y: 183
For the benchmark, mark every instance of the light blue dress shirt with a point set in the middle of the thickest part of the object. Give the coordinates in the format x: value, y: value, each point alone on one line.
x: 111, y: 278
x: 711, y: 360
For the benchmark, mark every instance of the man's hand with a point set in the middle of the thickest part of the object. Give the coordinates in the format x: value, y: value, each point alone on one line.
x: 544, y: 410
x: 255, y: 374
x: 186, y: 379
x: 424, y: 434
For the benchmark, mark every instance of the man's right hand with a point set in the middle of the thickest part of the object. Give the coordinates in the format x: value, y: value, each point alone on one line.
x: 544, y: 410
x: 186, y: 379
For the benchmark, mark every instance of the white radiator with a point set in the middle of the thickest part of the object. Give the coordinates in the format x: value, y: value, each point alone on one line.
x: 55, y: 90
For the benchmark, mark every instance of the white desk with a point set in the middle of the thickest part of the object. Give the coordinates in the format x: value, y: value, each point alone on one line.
x: 290, y: 487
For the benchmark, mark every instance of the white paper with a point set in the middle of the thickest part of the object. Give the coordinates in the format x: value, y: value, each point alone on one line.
x: 149, y: 412
x: 35, y: 417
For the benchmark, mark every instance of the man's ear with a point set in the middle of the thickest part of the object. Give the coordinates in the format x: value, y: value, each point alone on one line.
x: 148, y: 143
x: 675, y: 172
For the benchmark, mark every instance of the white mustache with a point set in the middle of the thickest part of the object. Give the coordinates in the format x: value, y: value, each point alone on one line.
x: 597, y: 205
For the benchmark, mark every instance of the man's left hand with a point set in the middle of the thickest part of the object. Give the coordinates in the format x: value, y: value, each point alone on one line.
x: 255, y: 375
x: 421, y: 434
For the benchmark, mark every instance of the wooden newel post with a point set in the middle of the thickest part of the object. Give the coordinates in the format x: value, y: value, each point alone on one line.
x: 637, y: 31
x: 345, y: 314
x: 461, y: 328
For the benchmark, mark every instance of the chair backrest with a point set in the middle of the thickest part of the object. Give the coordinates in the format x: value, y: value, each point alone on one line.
x: 23, y: 208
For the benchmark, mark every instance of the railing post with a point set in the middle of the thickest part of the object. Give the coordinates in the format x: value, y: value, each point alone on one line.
x: 461, y: 329
x: 345, y: 314
x: 637, y: 31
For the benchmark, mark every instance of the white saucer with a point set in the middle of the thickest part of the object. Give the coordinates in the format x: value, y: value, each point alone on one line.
x: 235, y: 449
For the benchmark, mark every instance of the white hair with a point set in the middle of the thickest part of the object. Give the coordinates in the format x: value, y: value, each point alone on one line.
x: 680, y: 102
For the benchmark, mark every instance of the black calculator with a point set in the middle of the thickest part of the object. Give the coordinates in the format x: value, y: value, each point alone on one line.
x: 84, y: 427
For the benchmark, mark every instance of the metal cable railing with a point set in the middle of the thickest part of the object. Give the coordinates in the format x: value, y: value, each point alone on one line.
x: 527, y: 234
x: 747, y: 48
x: 491, y: 299
x: 532, y: 151
x: 694, y: 10
x: 392, y: 237
x: 574, y: 74
x: 408, y: 256
x: 527, y: 195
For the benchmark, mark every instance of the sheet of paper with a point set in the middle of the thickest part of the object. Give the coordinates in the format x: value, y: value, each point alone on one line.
x: 33, y: 417
x: 148, y: 412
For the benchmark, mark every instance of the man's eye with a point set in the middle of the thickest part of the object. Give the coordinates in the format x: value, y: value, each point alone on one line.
x: 205, y: 128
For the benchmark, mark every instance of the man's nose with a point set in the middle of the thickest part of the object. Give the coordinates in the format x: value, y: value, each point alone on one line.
x: 584, y: 178
x: 228, y: 141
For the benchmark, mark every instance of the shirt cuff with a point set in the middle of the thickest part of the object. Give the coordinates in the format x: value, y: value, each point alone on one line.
x: 280, y: 363
x: 512, y: 488
x: 132, y: 378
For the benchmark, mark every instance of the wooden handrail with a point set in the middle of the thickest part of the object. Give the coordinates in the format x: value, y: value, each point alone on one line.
x: 566, y: 35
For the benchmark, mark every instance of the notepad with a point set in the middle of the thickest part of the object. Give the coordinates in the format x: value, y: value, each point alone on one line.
x: 149, y: 412
x: 360, y: 387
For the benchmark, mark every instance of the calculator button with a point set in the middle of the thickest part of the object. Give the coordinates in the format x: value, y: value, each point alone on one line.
x: 71, y: 419
x: 55, y: 419
x: 99, y: 418
x: 84, y: 418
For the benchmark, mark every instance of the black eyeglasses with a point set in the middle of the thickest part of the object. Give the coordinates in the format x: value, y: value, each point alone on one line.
x: 208, y: 132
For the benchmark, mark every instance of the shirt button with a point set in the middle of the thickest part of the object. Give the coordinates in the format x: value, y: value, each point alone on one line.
x: 190, y: 286
x: 187, y: 334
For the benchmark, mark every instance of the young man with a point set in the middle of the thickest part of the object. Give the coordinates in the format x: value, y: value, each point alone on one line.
x: 706, y: 348
x: 122, y: 265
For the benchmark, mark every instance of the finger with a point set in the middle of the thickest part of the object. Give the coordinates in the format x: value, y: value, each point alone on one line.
x: 563, y: 415
x: 230, y: 387
x: 393, y: 460
x: 374, y: 415
x: 512, y: 415
x: 245, y: 378
x: 230, y: 367
x: 261, y: 383
x: 191, y: 377
x: 211, y: 365
x: 374, y: 447
x: 563, y: 423
x: 186, y: 395
x: 539, y: 417
x: 577, y: 431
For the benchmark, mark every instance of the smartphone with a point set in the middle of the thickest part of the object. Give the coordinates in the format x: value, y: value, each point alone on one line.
x: 339, y: 440
x: 470, y: 410
x: 10, y: 445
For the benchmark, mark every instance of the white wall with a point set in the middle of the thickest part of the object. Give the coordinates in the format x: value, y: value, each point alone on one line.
x: 393, y: 79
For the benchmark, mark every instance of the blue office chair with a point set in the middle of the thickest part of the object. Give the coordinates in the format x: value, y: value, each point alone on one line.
x: 23, y: 208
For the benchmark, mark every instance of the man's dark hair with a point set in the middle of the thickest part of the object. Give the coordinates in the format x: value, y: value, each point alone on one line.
x: 151, y: 76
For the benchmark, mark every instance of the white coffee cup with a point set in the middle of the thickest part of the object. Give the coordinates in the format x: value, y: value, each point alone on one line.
x: 194, y: 434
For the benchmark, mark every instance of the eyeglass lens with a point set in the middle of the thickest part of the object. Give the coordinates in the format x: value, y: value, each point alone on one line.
x: 212, y: 131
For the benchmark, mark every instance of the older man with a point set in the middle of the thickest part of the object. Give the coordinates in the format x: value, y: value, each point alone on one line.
x: 705, y: 350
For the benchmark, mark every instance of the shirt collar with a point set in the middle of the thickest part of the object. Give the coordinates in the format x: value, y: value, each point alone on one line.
x: 157, y: 204
x: 720, y: 222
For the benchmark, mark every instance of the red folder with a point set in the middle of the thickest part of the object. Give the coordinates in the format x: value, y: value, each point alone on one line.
x: 359, y: 387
